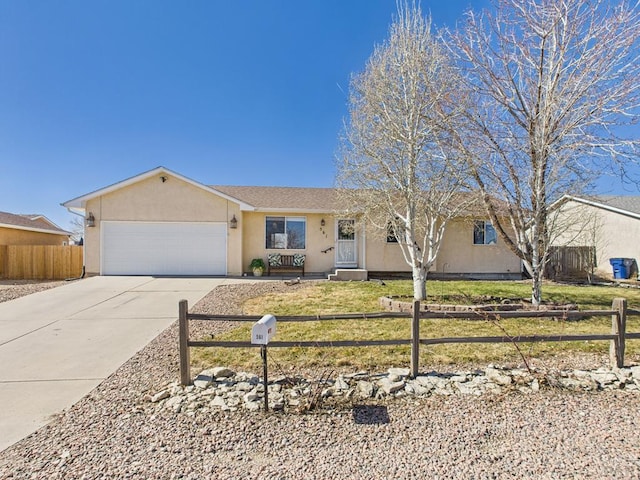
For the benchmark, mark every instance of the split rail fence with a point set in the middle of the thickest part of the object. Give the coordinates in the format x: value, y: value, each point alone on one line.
x: 617, y: 336
x: 40, y: 262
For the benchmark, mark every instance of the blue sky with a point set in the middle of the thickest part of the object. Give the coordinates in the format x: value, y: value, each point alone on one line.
x: 246, y: 92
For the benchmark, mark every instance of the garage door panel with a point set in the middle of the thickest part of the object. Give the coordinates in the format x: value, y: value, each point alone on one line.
x: 164, y: 248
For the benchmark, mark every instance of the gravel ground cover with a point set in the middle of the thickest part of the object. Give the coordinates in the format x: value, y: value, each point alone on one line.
x: 12, y: 289
x: 111, y: 434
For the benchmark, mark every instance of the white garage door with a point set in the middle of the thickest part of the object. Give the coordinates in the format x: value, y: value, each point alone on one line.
x: 164, y: 248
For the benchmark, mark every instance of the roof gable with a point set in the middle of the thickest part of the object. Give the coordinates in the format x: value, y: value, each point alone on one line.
x: 78, y: 204
x: 34, y: 223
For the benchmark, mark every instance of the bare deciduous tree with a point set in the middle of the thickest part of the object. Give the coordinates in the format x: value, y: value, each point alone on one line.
x: 77, y: 228
x: 553, y: 84
x: 396, y: 168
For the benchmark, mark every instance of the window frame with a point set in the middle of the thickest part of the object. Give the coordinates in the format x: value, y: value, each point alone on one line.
x: 392, y: 238
x: 483, y: 230
x: 285, y: 219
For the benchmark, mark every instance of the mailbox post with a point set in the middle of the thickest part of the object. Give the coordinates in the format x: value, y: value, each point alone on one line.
x: 261, y: 332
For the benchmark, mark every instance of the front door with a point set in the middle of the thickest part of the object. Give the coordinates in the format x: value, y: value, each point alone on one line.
x: 346, y: 251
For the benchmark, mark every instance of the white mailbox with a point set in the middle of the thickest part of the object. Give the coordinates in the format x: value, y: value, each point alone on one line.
x: 263, y: 330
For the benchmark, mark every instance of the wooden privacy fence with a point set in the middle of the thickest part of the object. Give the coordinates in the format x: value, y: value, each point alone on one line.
x: 40, y: 262
x: 617, y: 337
x: 570, y: 262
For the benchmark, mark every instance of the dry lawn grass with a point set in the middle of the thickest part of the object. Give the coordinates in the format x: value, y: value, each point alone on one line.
x: 332, y: 298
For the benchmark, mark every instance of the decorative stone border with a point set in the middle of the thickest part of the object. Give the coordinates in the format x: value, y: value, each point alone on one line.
x: 222, y: 389
x: 394, y: 305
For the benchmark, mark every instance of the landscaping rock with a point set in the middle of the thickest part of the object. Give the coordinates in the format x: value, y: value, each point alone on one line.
x: 365, y: 389
x: 245, y: 390
x: 222, y: 372
x: 498, y: 377
x: 389, y: 386
x: 160, y: 396
x: 203, y: 381
x: 341, y: 384
x: 399, y: 372
x: 218, y: 401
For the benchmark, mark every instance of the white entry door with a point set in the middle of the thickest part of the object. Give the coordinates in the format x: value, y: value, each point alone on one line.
x: 164, y: 248
x: 346, y: 245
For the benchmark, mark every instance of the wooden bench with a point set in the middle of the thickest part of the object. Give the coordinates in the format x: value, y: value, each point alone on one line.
x: 277, y: 261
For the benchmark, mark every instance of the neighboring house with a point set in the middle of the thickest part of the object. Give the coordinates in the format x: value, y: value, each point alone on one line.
x: 162, y: 223
x: 608, y: 224
x: 30, y: 230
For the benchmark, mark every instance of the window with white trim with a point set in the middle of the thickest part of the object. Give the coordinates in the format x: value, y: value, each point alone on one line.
x: 484, y: 233
x: 391, y: 234
x: 286, y: 233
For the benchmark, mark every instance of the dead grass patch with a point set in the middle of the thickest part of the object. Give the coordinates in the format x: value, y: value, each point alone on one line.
x: 329, y: 298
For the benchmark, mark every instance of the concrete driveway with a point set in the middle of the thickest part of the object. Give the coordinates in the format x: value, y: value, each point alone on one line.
x: 57, y: 345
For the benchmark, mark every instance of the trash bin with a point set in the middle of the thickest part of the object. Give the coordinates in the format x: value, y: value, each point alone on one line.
x: 620, y: 267
x: 631, y: 266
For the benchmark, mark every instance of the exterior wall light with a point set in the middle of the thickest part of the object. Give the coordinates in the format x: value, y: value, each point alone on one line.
x: 322, y: 224
x: 233, y: 223
x: 91, y: 220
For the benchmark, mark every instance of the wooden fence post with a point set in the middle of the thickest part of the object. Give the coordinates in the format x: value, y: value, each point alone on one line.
x: 183, y: 342
x: 618, y: 328
x: 415, y: 339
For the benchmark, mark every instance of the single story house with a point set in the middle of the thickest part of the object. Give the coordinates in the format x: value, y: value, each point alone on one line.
x: 16, y: 229
x: 608, y: 224
x: 162, y: 223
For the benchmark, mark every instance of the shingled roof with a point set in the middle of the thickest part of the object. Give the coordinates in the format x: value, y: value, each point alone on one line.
x: 251, y: 198
x: 623, y: 204
x: 311, y: 199
x: 33, y: 222
x: 306, y: 199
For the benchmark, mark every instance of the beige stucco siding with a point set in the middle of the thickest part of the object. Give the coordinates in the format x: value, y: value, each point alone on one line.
x: 153, y: 200
x: 617, y: 236
x: 458, y: 254
x: 318, y: 238
x: 382, y: 256
x: 12, y: 236
x: 614, y: 235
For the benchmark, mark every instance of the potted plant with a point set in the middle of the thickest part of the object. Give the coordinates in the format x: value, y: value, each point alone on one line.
x: 258, y: 266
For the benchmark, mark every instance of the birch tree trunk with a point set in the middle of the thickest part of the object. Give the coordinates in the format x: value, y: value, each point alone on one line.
x: 397, y: 169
